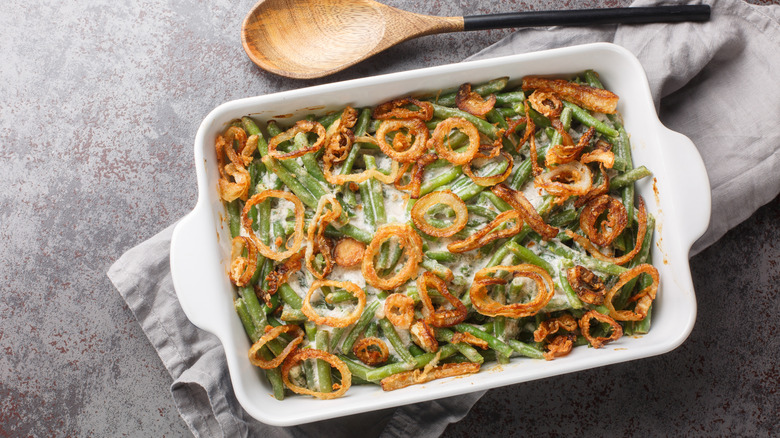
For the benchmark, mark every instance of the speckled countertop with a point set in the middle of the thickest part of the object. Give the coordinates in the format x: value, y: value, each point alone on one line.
x: 99, y: 105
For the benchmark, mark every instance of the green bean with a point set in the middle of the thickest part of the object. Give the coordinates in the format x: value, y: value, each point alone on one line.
x: 525, y: 349
x: 436, y: 268
x: 445, y: 335
x: 349, y: 230
x: 246, y: 319
x: 529, y: 256
x: 493, y: 86
x: 482, y: 211
x: 482, y: 125
x: 376, y: 195
x: 392, y: 336
x: 321, y: 342
x: 586, y: 118
x: 441, y: 256
x: 356, y: 368
x: 509, y: 98
x: 290, y: 297
x: 291, y: 182
x: 592, y: 79
x: 234, y: 217
x: 539, y: 120
x: 418, y: 362
x: 329, y: 119
x: 492, y: 341
x: 359, y: 326
x: 585, y: 260
x: 309, y: 160
x: 499, y: 203
x: 254, y: 307
x: 339, y: 296
x: 629, y: 177
x: 522, y: 175
x: 571, y: 295
x: 440, y: 180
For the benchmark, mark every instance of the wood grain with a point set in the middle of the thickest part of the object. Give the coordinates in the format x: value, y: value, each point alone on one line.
x: 313, y: 38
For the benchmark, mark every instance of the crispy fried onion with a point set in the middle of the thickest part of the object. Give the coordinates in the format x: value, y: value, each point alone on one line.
x: 602, y: 153
x: 530, y: 136
x: 239, y: 187
x: 440, y: 317
x: 560, y: 153
x: 489, y: 307
x: 408, y: 378
x: 328, y: 210
x: 470, y: 339
x: 599, y: 341
x: 523, y: 206
x: 588, y: 97
x: 408, y: 240
x: 553, y: 325
x: 472, y: 102
x: 587, y: 285
x: 311, y: 353
x: 395, y: 110
x: 399, y: 310
x: 546, y: 103
x: 560, y: 345
x: 407, y: 146
x: 371, y: 351
x: 640, y: 237
x: 490, y: 180
x: 334, y: 321
x: 448, y: 198
x: 492, y: 231
x: 440, y: 140
x: 348, y: 252
x: 242, y: 268
x: 596, y: 191
x: 282, y: 273
x: 300, y: 126
x: 327, y: 169
x: 416, y: 176
x: 422, y: 335
x: 339, y: 137
x: 297, y: 236
x: 273, y: 333
x: 614, y: 223
x: 643, y: 299
x: 569, y: 179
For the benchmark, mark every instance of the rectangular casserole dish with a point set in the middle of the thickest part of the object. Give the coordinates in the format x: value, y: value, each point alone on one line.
x: 678, y: 196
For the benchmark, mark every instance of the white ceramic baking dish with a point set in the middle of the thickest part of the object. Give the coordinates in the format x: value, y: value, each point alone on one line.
x: 678, y: 195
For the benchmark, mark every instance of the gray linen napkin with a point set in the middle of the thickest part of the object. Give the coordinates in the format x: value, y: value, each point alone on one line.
x: 714, y: 82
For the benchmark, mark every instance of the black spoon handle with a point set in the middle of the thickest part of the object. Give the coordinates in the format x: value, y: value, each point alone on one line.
x: 589, y: 17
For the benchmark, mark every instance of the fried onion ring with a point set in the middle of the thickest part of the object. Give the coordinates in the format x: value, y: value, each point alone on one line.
x: 328, y: 210
x: 239, y: 187
x: 371, y: 351
x: 489, y: 307
x: 413, y: 377
x: 395, y: 110
x: 432, y: 199
x: 472, y: 103
x: 587, y: 285
x: 599, y: 341
x: 339, y: 137
x: 489, y: 232
x: 600, y: 154
x: 403, y: 149
x: 246, y: 221
x: 300, y: 126
x: 553, y: 325
x: 349, y: 252
x: 568, y: 179
x: 470, y: 339
x: 418, y: 171
x: 595, y: 99
x: 561, y: 345
x: 442, y: 134
x: 560, y: 154
x: 399, y: 310
x: 644, y: 298
x: 441, y: 317
x: 282, y: 272
x: 491, y: 180
x: 333, y: 321
x: 523, y: 206
x: 614, y: 223
x: 327, y: 170
x: 422, y: 335
x: 334, y: 361
x: 273, y: 333
x: 640, y: 237
x: 546, y: 103
x: 411, y: 243
x: 242, y: 268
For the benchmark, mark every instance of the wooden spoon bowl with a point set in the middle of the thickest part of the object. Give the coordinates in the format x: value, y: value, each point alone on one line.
x: 313, y: 38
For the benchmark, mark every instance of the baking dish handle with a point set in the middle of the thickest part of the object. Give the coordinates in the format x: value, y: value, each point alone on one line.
x: 193, y: 277
x: 693, y: 196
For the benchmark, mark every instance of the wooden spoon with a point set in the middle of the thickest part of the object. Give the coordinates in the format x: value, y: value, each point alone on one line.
x: 306, y: 39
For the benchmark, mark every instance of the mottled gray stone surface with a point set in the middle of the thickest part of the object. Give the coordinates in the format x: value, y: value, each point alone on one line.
x: 99, y: 104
